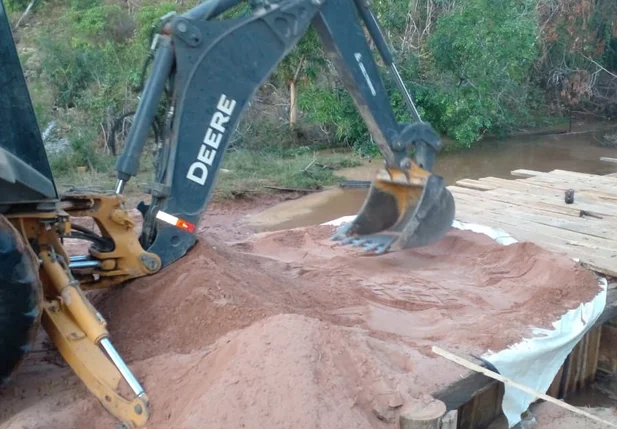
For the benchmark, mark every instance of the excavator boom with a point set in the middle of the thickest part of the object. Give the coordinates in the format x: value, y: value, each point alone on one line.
x: 212, y: 68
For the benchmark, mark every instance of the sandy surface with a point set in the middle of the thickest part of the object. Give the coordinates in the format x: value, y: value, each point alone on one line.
x: 549, y: 416
x: 465, y: 290
x: 287, y: 330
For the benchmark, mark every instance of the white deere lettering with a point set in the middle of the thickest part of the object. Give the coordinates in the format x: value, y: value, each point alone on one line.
x: 198, y: 171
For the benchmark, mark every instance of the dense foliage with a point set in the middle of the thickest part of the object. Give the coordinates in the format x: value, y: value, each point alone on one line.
x: 473, y: 66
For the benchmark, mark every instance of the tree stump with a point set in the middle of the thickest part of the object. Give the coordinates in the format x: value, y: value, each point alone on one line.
x: 422, y: 414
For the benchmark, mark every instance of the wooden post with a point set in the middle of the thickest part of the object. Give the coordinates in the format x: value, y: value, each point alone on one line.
x: 422, y: 415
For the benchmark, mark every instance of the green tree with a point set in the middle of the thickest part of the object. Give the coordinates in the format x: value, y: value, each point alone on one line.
x: 482, y: 57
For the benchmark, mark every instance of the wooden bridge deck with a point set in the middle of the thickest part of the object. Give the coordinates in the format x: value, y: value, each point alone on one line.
x: 532, y: 207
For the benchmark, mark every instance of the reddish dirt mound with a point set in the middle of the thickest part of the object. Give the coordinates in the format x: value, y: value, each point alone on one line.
x: 466, y: 289
x: 287, y: 329
x: 286, y: 371
x: 207, y: 294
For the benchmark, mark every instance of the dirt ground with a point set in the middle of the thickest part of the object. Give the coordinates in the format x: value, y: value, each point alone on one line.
x: 287, y: 330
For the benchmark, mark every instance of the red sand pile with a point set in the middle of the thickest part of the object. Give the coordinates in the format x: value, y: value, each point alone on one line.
x: 288, y: 330
x: 465, y: 290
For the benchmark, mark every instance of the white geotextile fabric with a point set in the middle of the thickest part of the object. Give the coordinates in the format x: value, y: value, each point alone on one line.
x: 533, y: 362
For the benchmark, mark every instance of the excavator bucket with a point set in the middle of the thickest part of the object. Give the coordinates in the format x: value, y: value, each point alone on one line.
x: 404, y: 209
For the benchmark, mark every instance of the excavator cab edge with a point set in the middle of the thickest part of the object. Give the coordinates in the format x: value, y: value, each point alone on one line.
x: 25, y: 174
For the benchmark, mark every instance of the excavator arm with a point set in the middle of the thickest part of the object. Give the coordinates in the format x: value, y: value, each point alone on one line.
x: 204, y: 73
x: 212, y: 68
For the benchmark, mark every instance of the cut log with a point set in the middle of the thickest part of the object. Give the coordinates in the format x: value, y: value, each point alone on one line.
x: 422, y: 414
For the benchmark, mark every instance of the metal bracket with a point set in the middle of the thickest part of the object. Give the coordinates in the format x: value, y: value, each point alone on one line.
x: 187, y: 32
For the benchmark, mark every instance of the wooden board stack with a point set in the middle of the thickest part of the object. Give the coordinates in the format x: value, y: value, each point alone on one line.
x: 533, y: 208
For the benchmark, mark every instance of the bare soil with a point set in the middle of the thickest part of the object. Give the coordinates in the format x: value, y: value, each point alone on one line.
x: 550, y: 416
x: 287, y: 330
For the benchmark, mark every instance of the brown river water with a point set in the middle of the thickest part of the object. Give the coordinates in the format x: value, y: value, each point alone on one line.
x: 576, y: 151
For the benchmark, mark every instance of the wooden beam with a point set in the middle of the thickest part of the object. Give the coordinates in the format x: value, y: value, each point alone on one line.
x: 526, y: 173
x: 474, y: 184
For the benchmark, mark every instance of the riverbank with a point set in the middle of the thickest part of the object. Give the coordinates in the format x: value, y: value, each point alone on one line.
x: 299, y: 171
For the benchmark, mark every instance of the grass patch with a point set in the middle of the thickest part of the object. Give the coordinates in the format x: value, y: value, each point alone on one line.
x: 99, y: 174
x: 243, y: 172
x: 249, y: 172
x: 97, y: 180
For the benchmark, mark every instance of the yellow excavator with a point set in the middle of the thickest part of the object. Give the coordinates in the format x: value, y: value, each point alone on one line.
x: 204, y: 71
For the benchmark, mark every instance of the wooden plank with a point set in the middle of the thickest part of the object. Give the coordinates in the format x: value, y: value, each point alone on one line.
x: 574, y: 176
x: 607, y: 360
x: 592, y: 191
x: 545, y: 189
x: 602, y: 265
x: 570, y: 173
x: 584, y: 226
x: 565, y: 176
x: 595, y: 189
x: 548, y: 190
x: 579, y: 368
x: 595, y: 337
x: 572, y: 233
x: 599, y: 267
x: 608, y: 182
x: 484, y: 409
x: 555, y: 386
x: 526, y: 173
x: 570, y: 376
x: 534, y: 205
x: 538, y: 203
x: 596, y: 264
x: 550, y: 201
x: 474, y: 184
x: 585, y: 176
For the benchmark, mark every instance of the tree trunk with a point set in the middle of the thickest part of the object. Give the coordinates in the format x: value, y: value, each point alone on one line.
x: 293, y: 111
